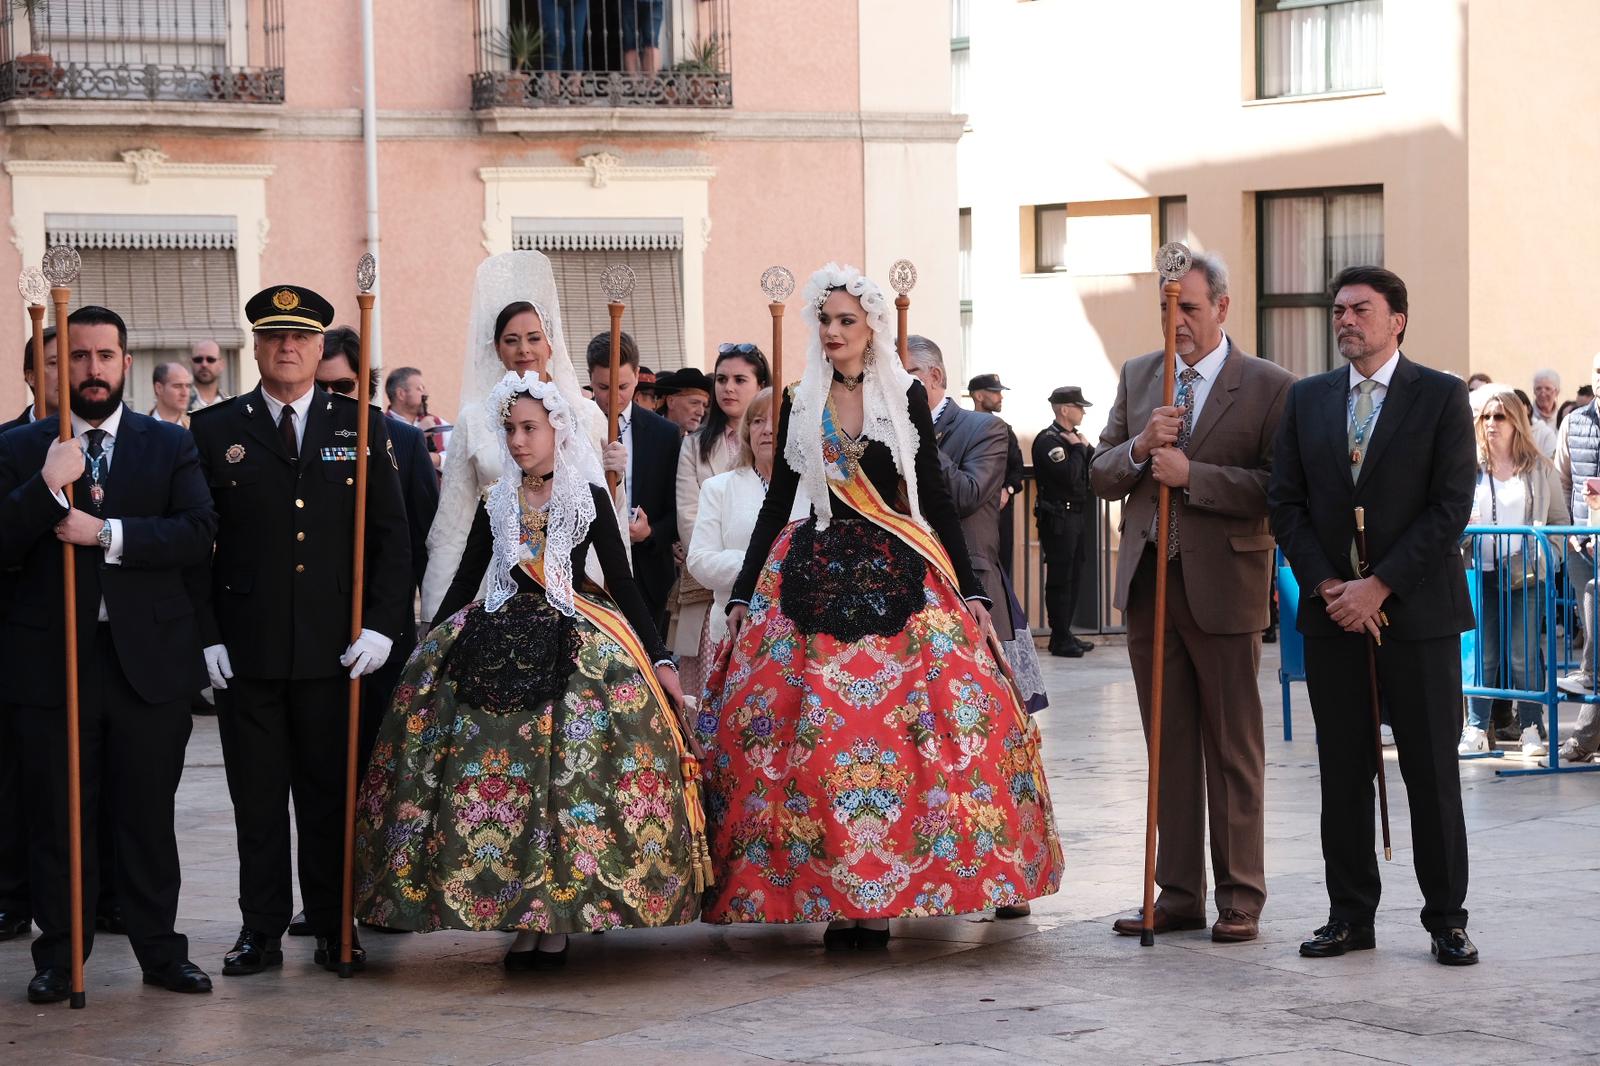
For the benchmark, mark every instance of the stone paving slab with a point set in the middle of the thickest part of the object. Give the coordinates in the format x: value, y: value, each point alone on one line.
x: 1054, y: 988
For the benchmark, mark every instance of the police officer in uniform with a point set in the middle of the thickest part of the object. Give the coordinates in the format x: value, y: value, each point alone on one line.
x: 281, y: 461
x: 1064, y: 508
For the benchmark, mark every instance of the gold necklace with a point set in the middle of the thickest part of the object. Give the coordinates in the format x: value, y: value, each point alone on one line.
x: 534, y: 519
x: 852, y: 448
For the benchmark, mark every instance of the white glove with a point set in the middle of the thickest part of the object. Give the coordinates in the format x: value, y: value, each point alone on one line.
x: 218, y: 666
x: 367, y: 654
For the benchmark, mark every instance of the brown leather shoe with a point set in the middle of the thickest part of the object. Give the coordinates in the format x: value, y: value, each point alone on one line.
x: 1235, y: 927
x: 1165, y: 922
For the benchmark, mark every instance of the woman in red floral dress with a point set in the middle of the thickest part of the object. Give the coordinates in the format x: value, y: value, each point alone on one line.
x: 867, y: 758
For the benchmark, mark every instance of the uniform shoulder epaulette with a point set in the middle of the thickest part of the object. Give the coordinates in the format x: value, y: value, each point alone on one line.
x: 226, y: 404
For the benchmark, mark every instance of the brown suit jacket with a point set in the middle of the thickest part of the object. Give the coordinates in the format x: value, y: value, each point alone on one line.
x: 1226, y: 544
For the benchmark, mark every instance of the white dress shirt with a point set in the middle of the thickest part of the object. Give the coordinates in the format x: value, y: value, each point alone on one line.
x: 1381, y: 376
x: 108, y: 444
x: 939, y: 410
x: 301, y: 407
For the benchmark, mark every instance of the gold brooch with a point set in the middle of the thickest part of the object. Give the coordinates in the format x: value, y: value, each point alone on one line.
x: 234, y: 453
x: 286, y: 299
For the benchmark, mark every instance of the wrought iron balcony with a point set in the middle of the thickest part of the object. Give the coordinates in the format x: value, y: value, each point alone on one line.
x: 603, y: 53
x: 188, y: 51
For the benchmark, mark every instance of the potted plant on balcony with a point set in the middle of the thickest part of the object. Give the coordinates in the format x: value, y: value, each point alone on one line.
x: 705, y: 57
x: 522, y: 44
x: 36, y: 72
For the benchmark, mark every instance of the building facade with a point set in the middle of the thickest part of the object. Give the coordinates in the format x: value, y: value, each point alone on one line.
x: 194, y: 153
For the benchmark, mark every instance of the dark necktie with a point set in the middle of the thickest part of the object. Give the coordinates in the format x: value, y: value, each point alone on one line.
x: 1184, y: 399
x: 286, y: 429
x: 96, y: 451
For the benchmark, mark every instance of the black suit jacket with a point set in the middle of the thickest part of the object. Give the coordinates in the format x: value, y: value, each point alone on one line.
x: 8, y: 574
x: 655, y: 480
x: 156, y: 487
x: 419, y: 486
x: 1416, y: 486
x: 279, y: 595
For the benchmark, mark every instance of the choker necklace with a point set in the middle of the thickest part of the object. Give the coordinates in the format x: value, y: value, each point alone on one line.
x: 850, y: 384
x: 534, y: 481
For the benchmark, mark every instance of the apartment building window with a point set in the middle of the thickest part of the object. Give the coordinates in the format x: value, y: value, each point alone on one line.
x: 1307, y: 237
x: 1175, y: 219
x: 173, y: 279
x: 1095, y: 238
x: 1305, y: 48
x: 964, y: 276
x: 579, y: 249
x: 960, y: 55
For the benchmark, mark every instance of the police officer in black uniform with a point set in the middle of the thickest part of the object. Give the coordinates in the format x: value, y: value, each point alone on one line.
x: 1064, y: 509
x: 281, y: 461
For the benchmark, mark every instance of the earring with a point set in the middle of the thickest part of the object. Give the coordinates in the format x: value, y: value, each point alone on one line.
x: 868, y: 353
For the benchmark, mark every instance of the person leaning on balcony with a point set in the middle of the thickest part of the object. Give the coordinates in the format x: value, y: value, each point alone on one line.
x: 1213, y: 449
x: 1517, y: 486
x: 641, y: 34
x: 1578, y: 460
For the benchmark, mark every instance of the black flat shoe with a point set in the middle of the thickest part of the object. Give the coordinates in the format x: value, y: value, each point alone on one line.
x: 298, y: 926
x: 252, y: 953
x: 50, y: 985
x: 13, y: 924
x: 549, y: 960
x: 839, y: 939
x: 327, y: 954
x: 1454, y: 948
x: 872, y: 939
x: 1008, y: 913
x: 1336, y: 938
x: 182, y: 976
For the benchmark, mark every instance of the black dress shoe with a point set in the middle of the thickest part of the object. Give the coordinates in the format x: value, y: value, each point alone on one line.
x: 327, y: 953
x: 842, y: 939
x: 1336, y: 938
x: 872, y: 939
x: 13, y: 924
x: 1454, y: 948
x: 50, y: 985
x: 252, y: 953
x: 1083, y: 645
x: 182, y: 976
x: 1067, y: 651
x: 111, y: 922
x: 298, y: 926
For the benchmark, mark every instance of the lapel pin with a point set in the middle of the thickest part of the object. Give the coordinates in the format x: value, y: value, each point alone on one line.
x: 249, y: 409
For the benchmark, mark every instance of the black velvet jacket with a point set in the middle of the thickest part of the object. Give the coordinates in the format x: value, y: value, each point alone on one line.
x: 607, y: 544
x: 877, y: 462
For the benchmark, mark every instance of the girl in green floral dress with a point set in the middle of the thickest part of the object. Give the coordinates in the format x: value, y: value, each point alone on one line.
x: 532, y: 773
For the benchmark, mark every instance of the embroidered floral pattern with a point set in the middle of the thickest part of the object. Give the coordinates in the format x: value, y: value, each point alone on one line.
x: 851, y: 580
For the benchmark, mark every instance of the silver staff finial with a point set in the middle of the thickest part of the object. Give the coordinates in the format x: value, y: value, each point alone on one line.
x: 778, y: 283
x: 61, y: 265
x: 34, y: 288
x: 1173, y: 260
x: 366, y: 272
x: 616, y: 281
x: 902, y: 276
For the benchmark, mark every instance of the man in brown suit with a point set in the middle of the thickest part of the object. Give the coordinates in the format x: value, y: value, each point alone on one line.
x: 1213, y: 448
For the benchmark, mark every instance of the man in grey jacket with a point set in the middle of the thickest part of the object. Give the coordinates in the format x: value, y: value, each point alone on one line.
x: 1578, y: 460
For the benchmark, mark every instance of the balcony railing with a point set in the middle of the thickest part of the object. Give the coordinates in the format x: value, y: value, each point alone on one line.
x: 603, y: 53
x: 190, y: 51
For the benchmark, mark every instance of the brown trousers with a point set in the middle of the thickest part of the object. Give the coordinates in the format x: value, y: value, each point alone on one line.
x: 1213, y: 750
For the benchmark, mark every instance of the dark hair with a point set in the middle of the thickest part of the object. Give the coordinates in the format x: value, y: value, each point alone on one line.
x: 1385, y: 283
x: 27, y: 349
x: 716, y: 420
x: 398, y: 378
x: 163, y: 370
x: 1586, y: 391
x: 95, y: 315
x: 599, y: 353
x: 1566, y: 408
x: 342, y: 342
x: 1527, y: 403
x: 510, y: 311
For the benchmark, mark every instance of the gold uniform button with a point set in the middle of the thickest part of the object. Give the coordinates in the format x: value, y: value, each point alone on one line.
x: 299, y: 568
x: 300, y: 536
x: 299, y: 503
x: 349, y: 481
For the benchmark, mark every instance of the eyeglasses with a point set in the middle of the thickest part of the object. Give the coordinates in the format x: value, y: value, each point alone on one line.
x: 343, y: 386
x: 737, y: 349
x: 1498, y: 416
x: 206, y: 359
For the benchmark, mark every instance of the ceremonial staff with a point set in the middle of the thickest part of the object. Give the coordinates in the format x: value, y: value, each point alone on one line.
x: 778, y: 283
x: 616, y: 281
x: 366, y: 276
x: 61, y: 266
x: 1172, y: 262
x: 35, y: 290
x: 1372, y: 680
x: 902, y: 279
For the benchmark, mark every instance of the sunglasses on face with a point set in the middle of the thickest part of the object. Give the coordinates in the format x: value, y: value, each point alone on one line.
x: 206, y: 359
x: 736, y: 349
x: 1498, y: 416
x: 344, y: 386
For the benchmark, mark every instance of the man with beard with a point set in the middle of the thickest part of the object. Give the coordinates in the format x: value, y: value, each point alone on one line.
x: 207, y: 362
x: 140, y: 524
x: 276, y: 615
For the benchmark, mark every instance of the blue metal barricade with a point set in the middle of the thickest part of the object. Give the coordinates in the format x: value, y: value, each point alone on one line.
x: 1291, y: 645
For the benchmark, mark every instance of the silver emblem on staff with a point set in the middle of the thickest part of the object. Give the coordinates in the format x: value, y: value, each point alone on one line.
x: 902, y: 276
x: 366, y: 272
x: 778, y: 283
x: 34, y: 288
x: 1173, y: 260
x: 61, y: 265
x: 616, y: 281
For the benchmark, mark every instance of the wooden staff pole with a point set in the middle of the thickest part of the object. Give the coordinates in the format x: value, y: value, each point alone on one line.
x: 1147, y: 936
x: 902, y: 305
x: 61, y: 296
x: 613, y: 409
x: 358, y: 581
x: 1377, y: 698
x: 36, y: 313
x: 775, y: 308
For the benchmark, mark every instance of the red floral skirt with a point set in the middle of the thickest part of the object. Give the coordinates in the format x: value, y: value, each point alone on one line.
x: 884, y: 776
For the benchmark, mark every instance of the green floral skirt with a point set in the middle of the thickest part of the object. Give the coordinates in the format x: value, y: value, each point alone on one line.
x: 555, y: 815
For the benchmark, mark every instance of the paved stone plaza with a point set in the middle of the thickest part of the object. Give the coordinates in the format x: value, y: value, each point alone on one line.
x: 1058, y: 987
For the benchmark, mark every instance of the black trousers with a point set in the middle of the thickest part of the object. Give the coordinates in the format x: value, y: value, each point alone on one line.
x: 283, y: 738
x: 1065, y: 543
x: 1420, y: 681
x: 377, y: 689
x: 13, y: 823
x: 131, y: 760
x: 1008, y: 533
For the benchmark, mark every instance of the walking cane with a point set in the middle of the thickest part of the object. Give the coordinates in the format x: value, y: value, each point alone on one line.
x: 616, y: 281
x: 1172, y: 262
x: 902, y: 279
x: 61, y: 265
x: 778, y: 283
x: 1372, y: 678
x: 366, y: 277
x: 35, y: 291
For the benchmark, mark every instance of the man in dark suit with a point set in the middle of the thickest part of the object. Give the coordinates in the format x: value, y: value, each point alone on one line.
x: 1396, y: 439
x: 139, y: 522
x: 646, y: 462
x: 281, y: 460
x: 988, y: 396
x: 1212, y: 447
x: 972, y: 456
x: 1064, y: 509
